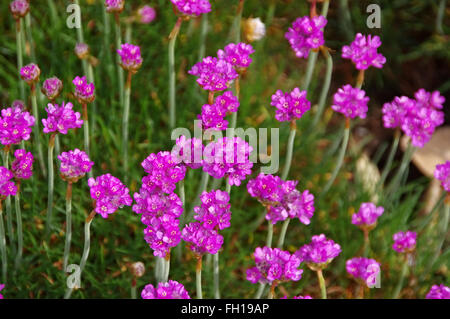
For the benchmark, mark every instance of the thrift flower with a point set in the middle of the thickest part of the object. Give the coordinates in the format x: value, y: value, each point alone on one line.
x: 439, y: 292
x: 109, y: 194
x: 214, y: 211
x: 114, y: 5
x: 306, y: 34
x: 290, y: 105
x: 404, y: 242
x: 18, y: 103
x: 192, y: 7
x: 273, y: 264
x: 61, y: 118
x: 166, y: 290
x: 351, y: 102
x: 146, y: 14
x: 442, y: 173
x: 19, y: 8
x: 74, y: 165
x: 82, y: 50
x: 130, y: 57
x: 15, y: 126
x: 254, y: 29
x: 7, y: 187
x: 395, y: 112
x: 367, y: 215
x: 363, y: 52
x: 30, y: 73
x: 237, y: 55
x: 22, y: 166
x: 188, y: 152
x: 213, y: 117
x: 364, y: 269
x: 319, y: 253
x: 84, y: 92
x: 202, y: 240
x: 52, y: 87
x: 266, y: 188
x: 213, y: 74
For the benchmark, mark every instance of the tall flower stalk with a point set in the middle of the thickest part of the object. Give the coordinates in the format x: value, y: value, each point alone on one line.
x: 51, y: 182
x: 9, y: 216
x: 198, y: 278
x: 172, y: 84
x: 405, y: 245
x: 3, y: 246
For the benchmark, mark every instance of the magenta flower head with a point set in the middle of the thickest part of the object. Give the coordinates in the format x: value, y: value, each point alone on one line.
x: 404, y: 242
x: 290, y: 105
x: 306, y: 34
x: 237, y: 55
x: 395, y: 112
x: 367, y: 215
x: 442, y: 173
x: 30, y: 73
x: 109, y: 194
x: 146, y: 14
x: 192, y: 7
x: 351, y: 102
x: 52, y: 87
x: 228, y: 157
x: 266, y: 189
x: 214, y: 211
x: 165, y: 290
x: 114, y: 6
x: 274, y: 264
x: 82, y: 50
x: 364, y: 269
x: 74, y: 165
x: 363, y: 52
x: 19, y: 8
x: 439, y: 292
x: 61, y: 118
x: 202, y: 240
x: 213, y: 117
x: 20, y: 104
x: 164, y: 171
x: 22, y: 166
x: 130, y: 57
x: 214, y: 74
x: 15, y: 126
x: 84, y: 91
x: 7, y: 187
x: 188, y: 152
x: 319, y: 253
x: 228, y: 102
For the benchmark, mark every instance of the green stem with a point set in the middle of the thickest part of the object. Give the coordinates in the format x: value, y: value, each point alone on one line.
x: 323, y: 289
x: 3, y: 246
x: 20, y: 58
x: 260, y: 291
x: 120, y: 71
x: 390, y: 159
x: 406, y: 159
x: 9, y: 223
x: 269, y: 234
x: 19, y: 229
x: 443, y: 235
x: 283, y: 233
x: 204, y: 32
x: 90, y: 77
x: 198, y: 278
x: 86, y: 129
x: 51, y: 183
x: 172, y: 85
x: 133, y: 292
x: 290, y: 151
x: 340, y: 160
x: 325, y: 88
x: 366, y: 243
x: 440, y: 17
x: 402, y: 279
x: 36, y: 130
x: 166, y: 268
x: 126, y: 114
x: 68, y: 226
x: 216, y: 276
x: 312, y: 59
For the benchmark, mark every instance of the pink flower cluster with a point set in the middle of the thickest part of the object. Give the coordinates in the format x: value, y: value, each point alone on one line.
x: 351, y: 102
x: 81, y: 50
x: 192, y: 7
x: 404, y: 242
x: 439, y: 292
x: 202, y: 240
x: 213, y: 74
x: 274, y: 264
x: 290, y: 105
x: 30, y: 73
x: 109, y: 194
x: 367, y: 215
x: 364, y: 269
x: 146, y: 14
x: 19, y: 8
x: 166, y: 290
x: 15, y: 126
x: 319, y: 252
x: 418, y: 118
x: 84, y: 92
x: 114, y: 5
x: 22, y: 166
x: 188, y: 152
x: 306, y: 34
x: 213, y: 116
x: 237, y: 55
x: 442, y: 173
x: 74, y: 165
x: 61, y: 118
x: 7, y: 187
x: 363, y: 52
x: 52, y: 88
x: 130, y: 57
x: 228, y: 157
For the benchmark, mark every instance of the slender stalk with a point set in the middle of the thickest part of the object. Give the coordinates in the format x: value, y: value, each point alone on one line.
x: 366, y: 242
x: 204, y: 32
x: 323, y: 289
x: 86, y: 129
x: 269, y: 234
x: 443, y: 235
x: 86, y: 248
x: 19, y: 228
x: 340, y: 157
x: 3, y: 246
x: 198, y: 277
x: 237, y: 91
x: 20, y: 57
x: 126, y: 115
x: 390, y: 159
x: 283, y: 233
x: 159, y: 270
x: 51, y: 183
x: 360, y: 79
x: 30, y: 36
x: 271, y: 294
x: 406, y: 159
x: 166, y: 267
x: 68, y: 226
x: 172, y: 85
x: 133, y: 289
x: 440, y: 17
x: 312, y: 59
x: 399, y: 286
x: 36, y: 129
x: 90, y: 77
x: 120, y: 71
x: 216, y: 276
x: 325, y: 88
x: 9, y: 218
x: 290, y: 150
x: 260, y: 291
